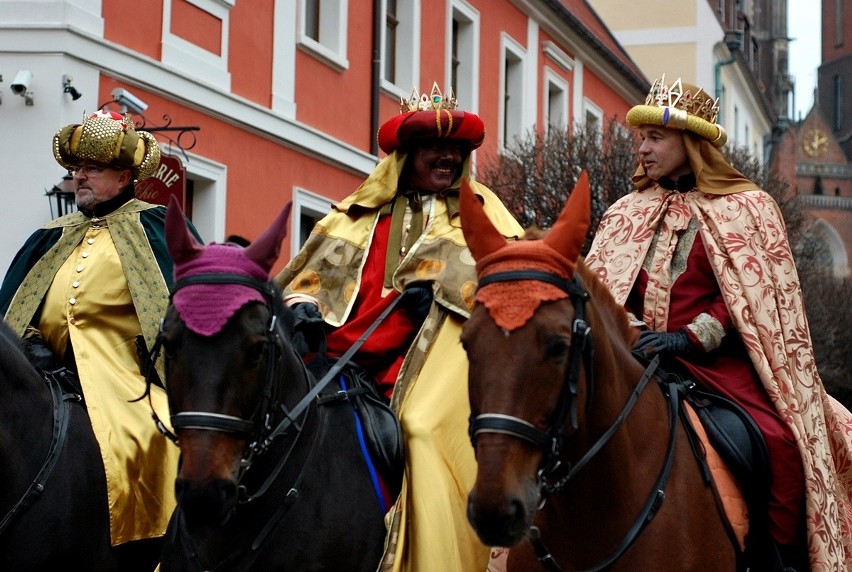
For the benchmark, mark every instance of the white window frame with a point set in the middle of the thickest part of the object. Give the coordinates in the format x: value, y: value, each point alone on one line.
x: 209, y: 198
x: 313, y: 204
x: 333, y: 30
x: 554, y: 80
x: 511, y: 49
x: 408, y: 51
x: 468, y: 77
x: 193, y: 60
x: 592, y: 109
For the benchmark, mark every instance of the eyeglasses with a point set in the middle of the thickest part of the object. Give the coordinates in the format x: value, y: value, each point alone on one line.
x: 91, y: 170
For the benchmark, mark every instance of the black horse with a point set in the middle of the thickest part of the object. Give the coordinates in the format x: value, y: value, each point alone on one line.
x: 268, y: 479
x: 53, y: 496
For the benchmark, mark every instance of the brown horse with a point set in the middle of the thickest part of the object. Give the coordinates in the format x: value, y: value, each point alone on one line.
x: 268, y: 479
x: 583, y: 463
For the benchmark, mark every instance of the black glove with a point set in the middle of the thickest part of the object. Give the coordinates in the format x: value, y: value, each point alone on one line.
x: 306, y: 313
x: 39, y: 354
x: 417, y: 299
x: 651, y: 343
x: 308, y: 330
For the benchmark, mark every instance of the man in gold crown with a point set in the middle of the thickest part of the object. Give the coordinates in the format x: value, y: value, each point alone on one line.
x: 399, y: 233
x: 87, y: 291
x: 699, y: 256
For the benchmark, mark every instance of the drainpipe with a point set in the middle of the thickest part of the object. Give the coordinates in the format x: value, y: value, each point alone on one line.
x: 734, y: 42
x: 376, y: 77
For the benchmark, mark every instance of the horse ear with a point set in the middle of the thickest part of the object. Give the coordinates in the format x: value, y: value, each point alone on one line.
x: 569, y: 231
x: 479, y: 232
x: 181, y: 244
x: 266, y: 249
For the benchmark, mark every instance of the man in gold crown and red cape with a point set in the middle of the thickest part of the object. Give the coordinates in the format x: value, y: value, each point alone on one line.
x: 699, y: 256
x: 399, y: 231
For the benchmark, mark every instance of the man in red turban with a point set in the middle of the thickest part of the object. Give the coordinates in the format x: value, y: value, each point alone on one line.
x: 399, y: 232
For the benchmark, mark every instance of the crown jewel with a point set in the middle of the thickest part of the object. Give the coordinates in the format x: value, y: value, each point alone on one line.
x: 699, y: 104
x: 423, y: 102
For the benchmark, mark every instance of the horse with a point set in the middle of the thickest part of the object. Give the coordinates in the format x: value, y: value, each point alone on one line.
x: 53, y: 507
x: 582, y: 464
x: 271, y: 473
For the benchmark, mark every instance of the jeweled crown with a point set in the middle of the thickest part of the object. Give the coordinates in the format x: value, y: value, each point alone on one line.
x: 433, y: 101
x: 699, y: 104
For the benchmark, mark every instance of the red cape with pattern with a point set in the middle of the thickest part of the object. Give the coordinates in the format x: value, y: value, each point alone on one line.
x: 747, y: 245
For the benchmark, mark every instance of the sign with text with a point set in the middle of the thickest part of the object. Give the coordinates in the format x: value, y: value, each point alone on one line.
x: 168, y: 180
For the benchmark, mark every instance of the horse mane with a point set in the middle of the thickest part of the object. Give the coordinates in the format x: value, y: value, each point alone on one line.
x: 606, y: 302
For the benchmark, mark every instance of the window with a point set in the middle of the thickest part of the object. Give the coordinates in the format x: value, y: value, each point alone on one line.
x: 195, y: 39
x: 555, y: 106
x: 322, y: 30
x: 464, y: 54
x: 206, y: 183
x: 593, y: 117
x: 511, y: 92
x: 838, y: 102
x: 391, y: 25
x: 308, y: 208
x: 401, y: 46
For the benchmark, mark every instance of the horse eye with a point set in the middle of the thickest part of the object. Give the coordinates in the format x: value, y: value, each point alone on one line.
x: 255, y: 350
x: 557, y: 348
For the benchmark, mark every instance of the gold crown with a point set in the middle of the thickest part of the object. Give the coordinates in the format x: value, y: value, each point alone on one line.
x: 436, y: 100
x: 699, y: 104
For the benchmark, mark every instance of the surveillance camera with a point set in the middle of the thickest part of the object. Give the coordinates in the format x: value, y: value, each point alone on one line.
x: 128, y: 100
x: 21, y: 83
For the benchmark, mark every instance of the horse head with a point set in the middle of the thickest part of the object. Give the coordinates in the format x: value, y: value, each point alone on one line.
x: 223, y: 341
x: 523, y: 345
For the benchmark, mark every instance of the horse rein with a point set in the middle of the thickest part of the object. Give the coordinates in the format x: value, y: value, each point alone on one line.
x: 261, y: 434
x: 550, y: 441
x: 61, y: 418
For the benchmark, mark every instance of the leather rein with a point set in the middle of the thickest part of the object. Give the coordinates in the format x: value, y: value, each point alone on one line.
x: 259, y: 427
x: 550, y: 441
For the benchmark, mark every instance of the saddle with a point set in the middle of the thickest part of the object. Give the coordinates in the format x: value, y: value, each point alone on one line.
x: 379, y: 424
x: 739, y: 442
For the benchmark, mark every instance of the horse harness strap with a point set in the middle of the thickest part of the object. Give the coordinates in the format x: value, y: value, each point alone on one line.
x: 333, y: 371
x: 61, y: 418
x: 581, y: 350
x: 657, y: 495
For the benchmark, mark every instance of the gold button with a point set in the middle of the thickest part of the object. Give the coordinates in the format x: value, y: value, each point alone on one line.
x: 80, y: 268
x: 91, y: 241
x: 72, y: 321
x: 75, y: 284
x: 72, y: 301
x: 85, y: 255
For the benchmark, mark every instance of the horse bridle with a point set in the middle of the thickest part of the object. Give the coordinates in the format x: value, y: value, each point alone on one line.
x: 550, y: 441
x: 258, y: 427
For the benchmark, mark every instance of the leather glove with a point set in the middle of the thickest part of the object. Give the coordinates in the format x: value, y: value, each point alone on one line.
x: 308, y: 331
x: 39, y: 354
x: 417, y: 299
x: 306, y: 313
x: 652, y: 343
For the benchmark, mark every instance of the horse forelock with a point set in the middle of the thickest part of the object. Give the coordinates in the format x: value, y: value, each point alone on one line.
x: 206, y: 308
x: 512, y: 304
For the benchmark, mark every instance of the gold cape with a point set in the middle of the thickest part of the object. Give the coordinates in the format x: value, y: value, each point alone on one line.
x: 428, y: 527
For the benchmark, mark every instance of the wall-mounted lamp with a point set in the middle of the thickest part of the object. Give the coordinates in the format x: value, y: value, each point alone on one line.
x: 62, y: 197
x: 128, y: 101
x: 70, y: 89
x: 21, y: 85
